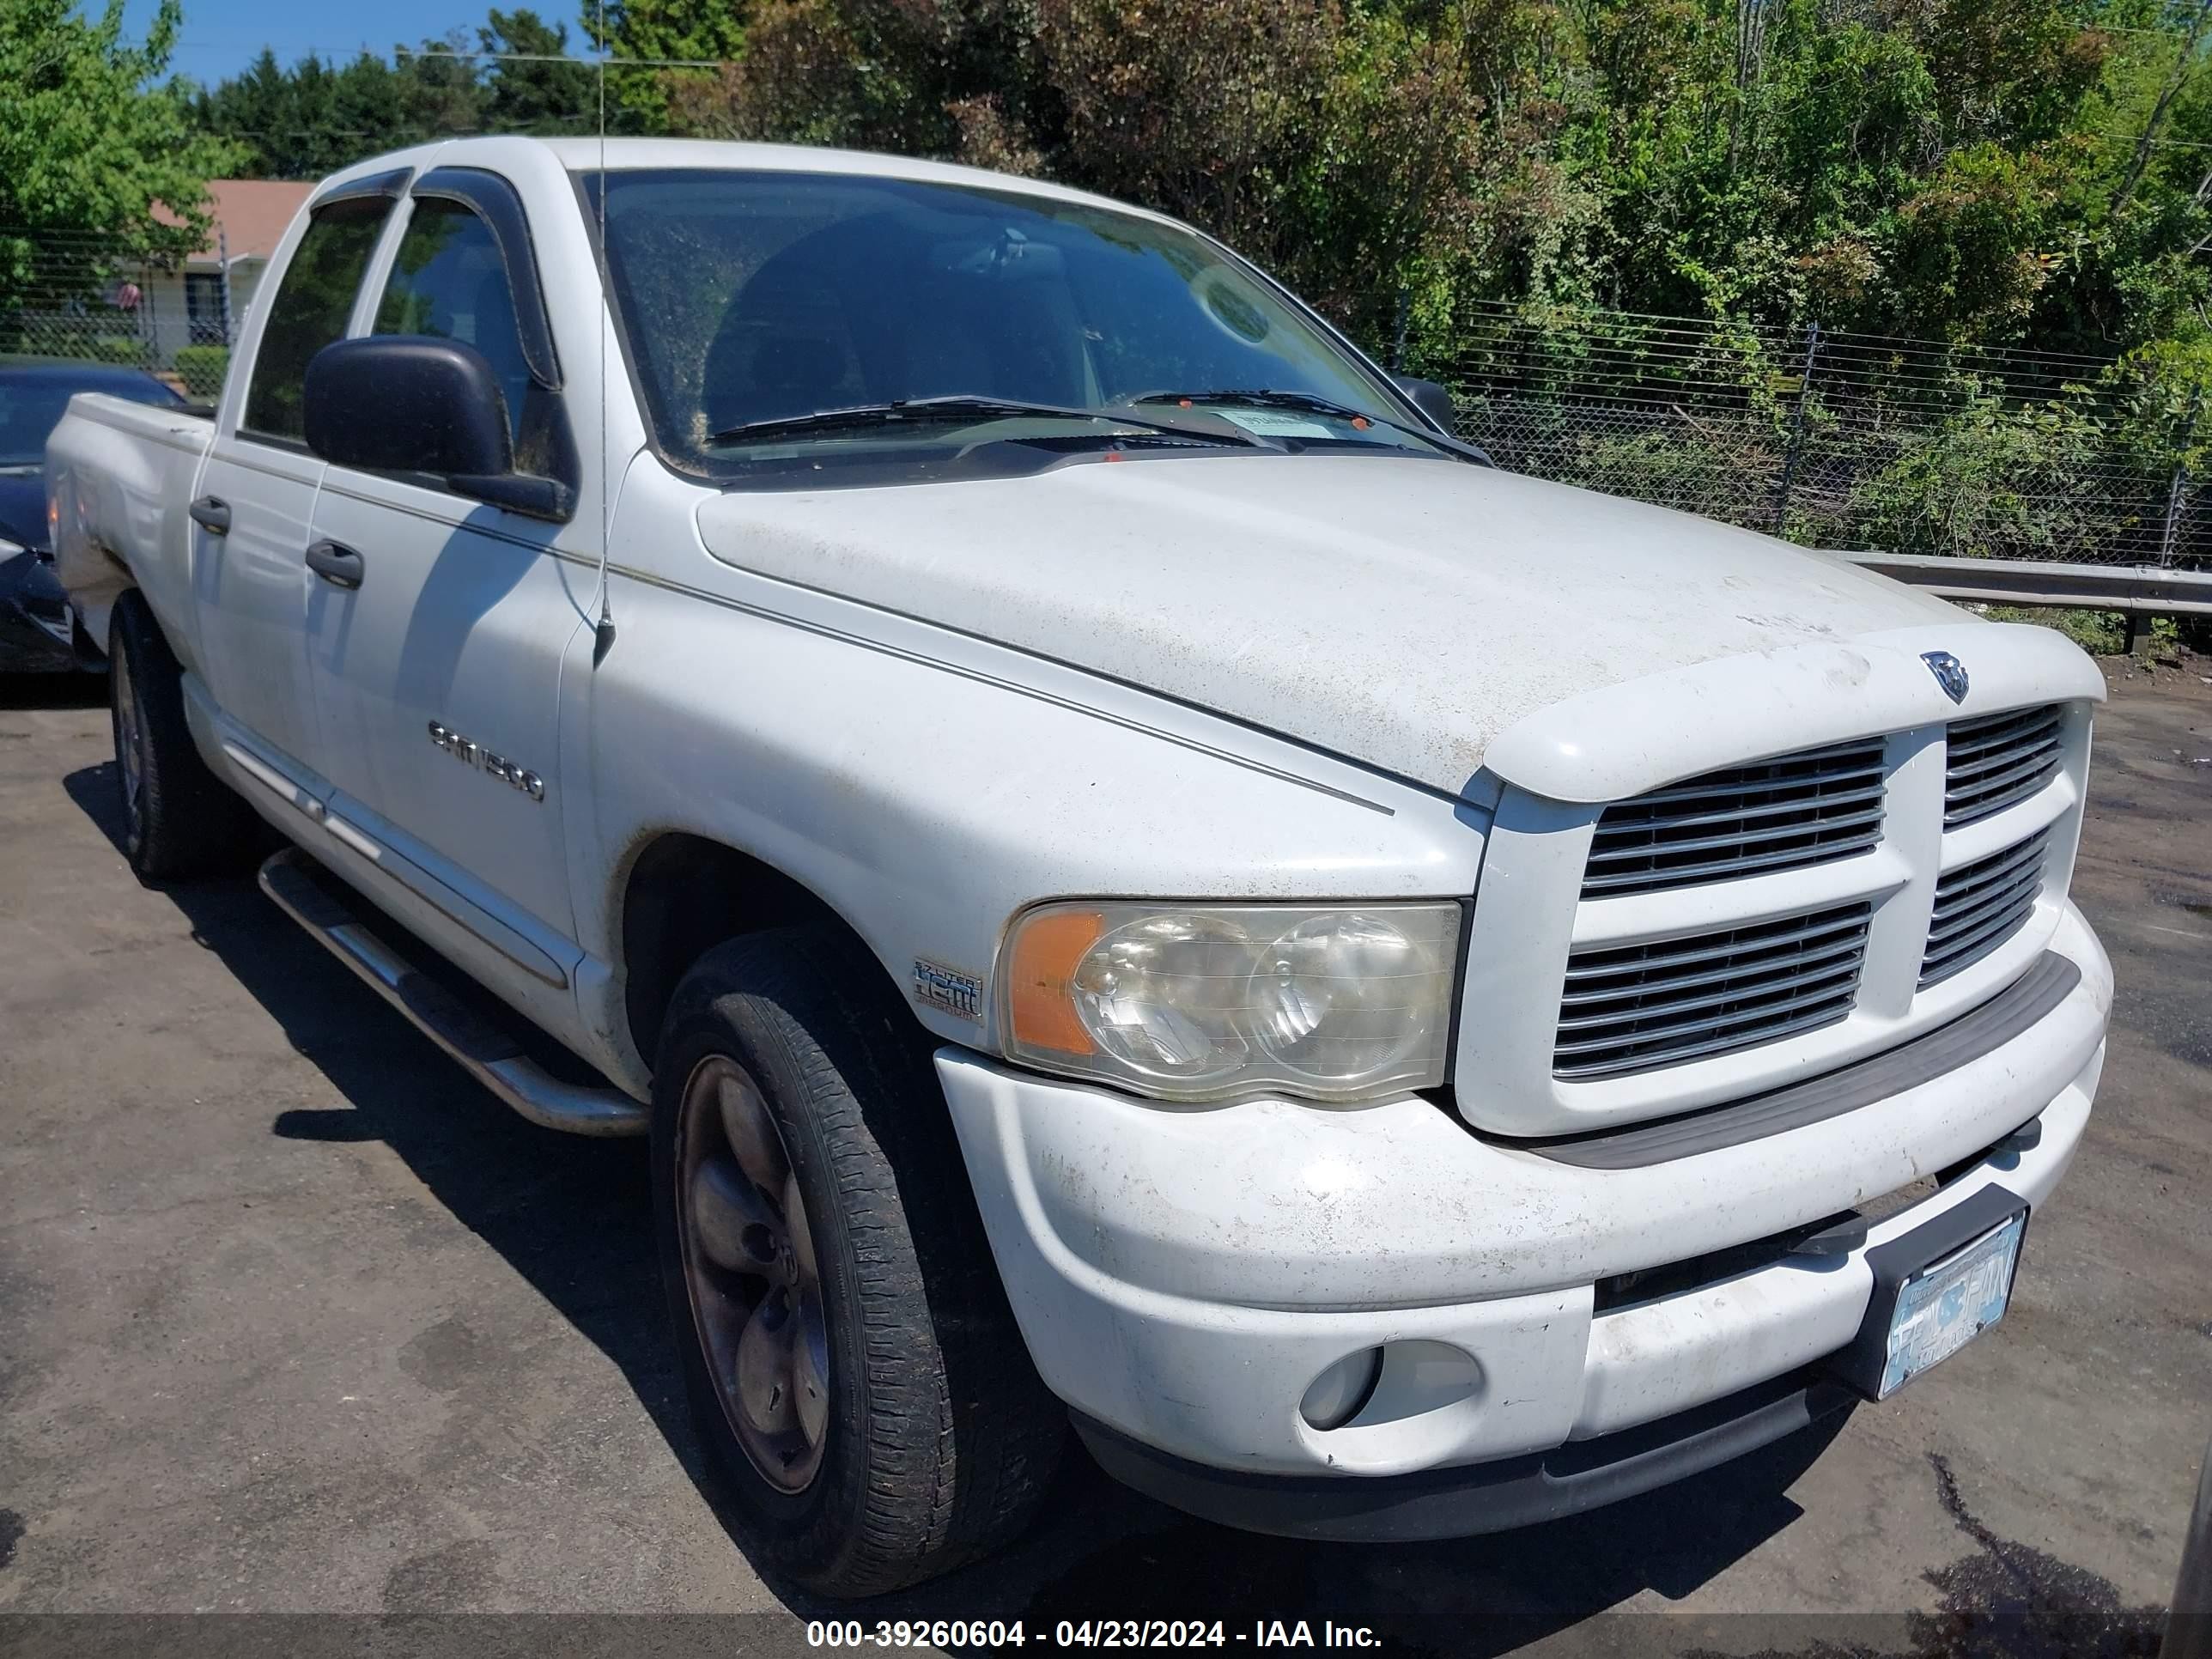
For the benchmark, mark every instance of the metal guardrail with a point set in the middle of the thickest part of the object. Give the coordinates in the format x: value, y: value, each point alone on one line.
x: 2141, y: 590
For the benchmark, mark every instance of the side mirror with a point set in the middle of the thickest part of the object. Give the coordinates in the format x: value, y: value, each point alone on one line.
x: 1431, y: 399
x: 408, y: 403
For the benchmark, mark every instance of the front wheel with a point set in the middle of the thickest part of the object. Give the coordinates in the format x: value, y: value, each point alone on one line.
x: 847, y: 1347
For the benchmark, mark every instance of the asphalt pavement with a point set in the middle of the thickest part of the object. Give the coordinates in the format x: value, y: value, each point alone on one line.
x: 296, y: 1319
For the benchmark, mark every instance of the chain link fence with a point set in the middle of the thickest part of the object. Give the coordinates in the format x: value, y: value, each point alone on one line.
x: 83, y: 295
x: 1837, y: 439
x: 1833, y: 440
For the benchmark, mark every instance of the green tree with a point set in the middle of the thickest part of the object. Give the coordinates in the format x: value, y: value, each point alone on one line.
x: 441, y: 92
x: 661, y: 32
x: 311, y: 119
x: 525, y: 93
x: 101, y: 167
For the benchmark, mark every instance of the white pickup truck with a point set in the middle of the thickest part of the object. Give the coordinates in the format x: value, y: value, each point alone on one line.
x: 1129, y: 876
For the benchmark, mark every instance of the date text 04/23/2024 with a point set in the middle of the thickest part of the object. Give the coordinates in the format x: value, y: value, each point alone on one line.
x: 1086, y: 1633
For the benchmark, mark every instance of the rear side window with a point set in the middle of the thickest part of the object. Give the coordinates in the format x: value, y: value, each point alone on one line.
x: 313, y: 305
x: 448, y: 279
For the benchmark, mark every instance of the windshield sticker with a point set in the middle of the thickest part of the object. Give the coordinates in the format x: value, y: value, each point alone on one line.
x: 1273, y: 424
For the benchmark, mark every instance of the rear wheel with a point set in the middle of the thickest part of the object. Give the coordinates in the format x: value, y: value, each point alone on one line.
x: 179, y: 818
x: 849, y: 1356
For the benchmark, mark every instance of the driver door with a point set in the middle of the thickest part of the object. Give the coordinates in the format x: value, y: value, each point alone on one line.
x: 437, y: 626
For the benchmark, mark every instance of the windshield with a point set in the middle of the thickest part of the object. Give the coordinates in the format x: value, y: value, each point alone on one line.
x: 32, y: 402
x: 751, y: 299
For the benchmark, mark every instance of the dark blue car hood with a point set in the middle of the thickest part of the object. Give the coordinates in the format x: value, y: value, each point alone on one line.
x: 23, y: 508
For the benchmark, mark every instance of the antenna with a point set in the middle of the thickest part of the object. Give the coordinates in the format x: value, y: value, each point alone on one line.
x: 603, y: 633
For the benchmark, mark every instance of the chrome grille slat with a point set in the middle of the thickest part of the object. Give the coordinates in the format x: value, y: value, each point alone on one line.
x: 1979, y: 906
x: 1770, y: 1003
x: 1631, y: 1008
x: 1974, y: 742
x: 1690, y: 874
x: 1959, y: 903
x: 1995, y: 760
x: 2038, y: 767
x: 1792, y: 811
x: 1945, y: 938
x: 1985, y: 730
x: 1698, y: 843
x: 1746, y: 990
x: 1964, y: 950
x: 1763, y: 936
x: 1726, y: 785
x: 1574, y: 998
x: 1871, y: 791
x: 1725, y: 1042
x: 1975, y: 768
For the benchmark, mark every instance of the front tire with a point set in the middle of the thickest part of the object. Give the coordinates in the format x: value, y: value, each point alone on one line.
x: 179, y: 818
x: 851, y: 1362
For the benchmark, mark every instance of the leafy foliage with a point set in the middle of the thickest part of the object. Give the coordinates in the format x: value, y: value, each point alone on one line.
x: 1960, y: 169
x: 2035, y: 174
x: 92, y: 138
x: 684, y: 31
x: 201, y: 367
x: 315, y: 118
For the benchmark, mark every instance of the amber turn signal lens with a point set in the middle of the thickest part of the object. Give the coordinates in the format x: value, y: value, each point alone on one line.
x: 1048, y: 949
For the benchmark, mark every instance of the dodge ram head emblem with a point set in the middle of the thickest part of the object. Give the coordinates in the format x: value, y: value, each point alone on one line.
x: 1950, y: 673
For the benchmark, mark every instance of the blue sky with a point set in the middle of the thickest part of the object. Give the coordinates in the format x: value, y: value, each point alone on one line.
x: 220, y: 37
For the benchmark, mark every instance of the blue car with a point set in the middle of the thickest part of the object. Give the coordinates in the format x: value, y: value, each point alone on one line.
x: 35, y: 634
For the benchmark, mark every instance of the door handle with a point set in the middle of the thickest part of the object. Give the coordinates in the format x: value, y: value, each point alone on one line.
x: 335, y: 564
x: 212, y: 514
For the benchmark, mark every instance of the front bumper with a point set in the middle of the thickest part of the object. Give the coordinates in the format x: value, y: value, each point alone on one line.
x: 1183, y: 1275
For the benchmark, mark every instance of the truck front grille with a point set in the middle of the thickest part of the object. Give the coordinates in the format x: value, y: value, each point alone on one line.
x: 1979, y: 906
x: 1778, y: 814
x: 1631, y: 1008
x: 1999, y: 759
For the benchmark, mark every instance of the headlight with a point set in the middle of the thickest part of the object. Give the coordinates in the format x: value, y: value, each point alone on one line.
x: 1192, y: 1002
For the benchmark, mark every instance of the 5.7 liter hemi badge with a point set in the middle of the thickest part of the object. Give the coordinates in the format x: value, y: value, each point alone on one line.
x: 474, y: 754
x: 936, y: 986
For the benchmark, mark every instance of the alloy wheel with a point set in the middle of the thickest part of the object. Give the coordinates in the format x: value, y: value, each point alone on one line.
x: 750, y: 1270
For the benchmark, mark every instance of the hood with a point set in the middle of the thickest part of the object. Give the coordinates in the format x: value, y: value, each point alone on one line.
x: 1401, y: 613
x: 23, y: 509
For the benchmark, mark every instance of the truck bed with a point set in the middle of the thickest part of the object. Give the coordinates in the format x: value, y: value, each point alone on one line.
x: 123, y: 475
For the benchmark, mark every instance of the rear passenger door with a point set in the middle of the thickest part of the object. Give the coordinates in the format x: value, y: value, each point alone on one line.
x: 436, y: 678
x: 252, y: 517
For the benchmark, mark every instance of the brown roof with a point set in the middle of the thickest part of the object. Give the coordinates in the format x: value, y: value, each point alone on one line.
x: 251, y: 213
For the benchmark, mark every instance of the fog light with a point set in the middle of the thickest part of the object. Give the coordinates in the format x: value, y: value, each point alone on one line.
x: 1335, y: 1396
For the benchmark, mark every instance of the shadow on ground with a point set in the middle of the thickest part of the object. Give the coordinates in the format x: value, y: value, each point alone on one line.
x: 573, y: 1217
x: 54, y: 690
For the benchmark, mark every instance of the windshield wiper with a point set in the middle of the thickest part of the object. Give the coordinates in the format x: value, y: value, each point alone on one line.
x: 1307, y: 403
x: 959, y: 406
x: 1263, y: 398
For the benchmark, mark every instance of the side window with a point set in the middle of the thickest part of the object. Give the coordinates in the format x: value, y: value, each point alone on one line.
x: 448, y: 279
x: 311, y: 307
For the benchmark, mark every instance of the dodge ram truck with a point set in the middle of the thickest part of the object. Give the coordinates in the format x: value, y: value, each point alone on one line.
x: 1132, y: 879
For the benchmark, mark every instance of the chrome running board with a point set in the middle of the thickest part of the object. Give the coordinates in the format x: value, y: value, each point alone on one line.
x: 321, y: 905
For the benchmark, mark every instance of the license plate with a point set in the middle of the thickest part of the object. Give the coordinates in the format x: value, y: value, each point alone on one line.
x: 1947, y: 1303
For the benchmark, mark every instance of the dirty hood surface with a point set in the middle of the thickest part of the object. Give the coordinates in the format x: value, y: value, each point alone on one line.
x: 1401, y: 612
